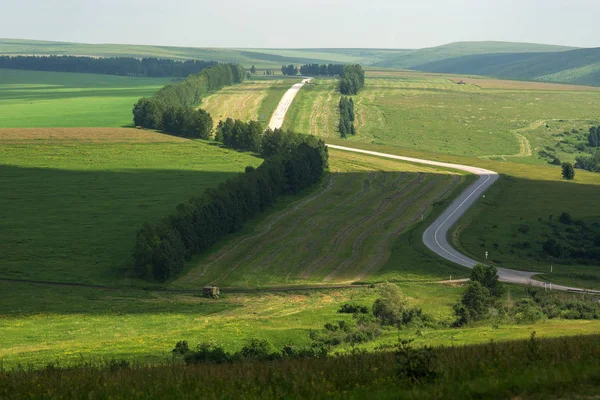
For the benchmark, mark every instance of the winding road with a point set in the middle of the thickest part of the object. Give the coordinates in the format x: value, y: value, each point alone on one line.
x: 435, y: 236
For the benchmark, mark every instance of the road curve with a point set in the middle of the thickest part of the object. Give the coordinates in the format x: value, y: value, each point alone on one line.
x: 284, y: 104
x: 435, y: 236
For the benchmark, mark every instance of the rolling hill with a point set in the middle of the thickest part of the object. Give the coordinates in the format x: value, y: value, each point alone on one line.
x: 413, y: 58
x: 580, y: 66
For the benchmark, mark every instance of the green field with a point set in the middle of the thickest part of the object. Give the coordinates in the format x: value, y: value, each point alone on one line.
x: 56, y: 99
x: 343, y: 232
x: 75, y: 197
x: 44, y: 324
x: 250, y: 100
x: 433, y: 113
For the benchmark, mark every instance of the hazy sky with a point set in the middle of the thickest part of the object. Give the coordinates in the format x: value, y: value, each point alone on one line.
x: 308, y: 23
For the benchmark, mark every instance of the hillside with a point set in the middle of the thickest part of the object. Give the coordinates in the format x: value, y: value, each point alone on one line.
x: 386, y: 58
x: 580, y: 66
x: 243, y: 56
x: 413, y: 58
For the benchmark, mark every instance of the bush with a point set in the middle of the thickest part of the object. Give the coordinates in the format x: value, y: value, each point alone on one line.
x: 474, y: 304
x: 487, y: 275
x: 565, y: 218
x: 353, y: 308
x: 417, y: 366
x: 256, y: 349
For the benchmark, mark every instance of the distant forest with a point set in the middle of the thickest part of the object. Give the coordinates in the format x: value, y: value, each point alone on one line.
x: 314, y: 70
x: 125, y: 66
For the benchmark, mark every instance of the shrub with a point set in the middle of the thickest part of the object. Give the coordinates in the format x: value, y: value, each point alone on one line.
x: 353, y: 308
x: 487, y: 275
x: 417, y: 366
x: 256, y: 349
x: 474, y: 304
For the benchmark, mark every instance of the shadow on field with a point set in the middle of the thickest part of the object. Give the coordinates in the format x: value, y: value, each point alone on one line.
x: 79, y: 226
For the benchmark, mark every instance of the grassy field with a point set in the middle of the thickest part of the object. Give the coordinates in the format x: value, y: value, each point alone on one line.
x: 43, y: 324
x: 343, y: 232
x: 251, y: 100
x: 55, y: 99
x: 434, y: 113
x: 525, y: 193
x: 560, y: 368
x: 75, y: 196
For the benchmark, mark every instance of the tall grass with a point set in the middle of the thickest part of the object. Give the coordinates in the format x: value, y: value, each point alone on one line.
x: 531, y: 368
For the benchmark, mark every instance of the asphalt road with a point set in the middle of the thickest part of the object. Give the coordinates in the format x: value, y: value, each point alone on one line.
x: 435, y: 236
x: 284, y: 104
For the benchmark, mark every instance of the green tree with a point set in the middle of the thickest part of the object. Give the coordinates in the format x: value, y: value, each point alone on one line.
x: 474, y: 304
x: 253, y: 70
x: 568, y: 172
x: 594, y: 137
x: 487, y: 275
x: 391, y: 306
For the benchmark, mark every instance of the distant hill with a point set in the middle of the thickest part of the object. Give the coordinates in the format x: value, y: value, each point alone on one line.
x: 526, y: 61
x: 411, y: 59
x: 580, y: 66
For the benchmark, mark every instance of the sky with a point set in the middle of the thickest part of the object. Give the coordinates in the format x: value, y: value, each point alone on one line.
x: 303, y: 24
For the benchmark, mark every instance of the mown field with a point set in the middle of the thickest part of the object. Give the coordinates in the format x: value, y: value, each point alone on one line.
x: 342, y: 232
x: 251, y: 100
x: 526, y: 194
x: 434, y: 113
x: 54, y: 99
x: 75, y: 197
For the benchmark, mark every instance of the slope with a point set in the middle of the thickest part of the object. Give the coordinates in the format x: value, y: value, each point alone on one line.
x: 411, y: 59
x: 580, y: 66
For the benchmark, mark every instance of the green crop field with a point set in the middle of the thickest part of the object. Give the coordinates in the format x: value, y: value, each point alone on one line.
x: 74, y: 198
x: 251, y: 100
x: 56, y: 99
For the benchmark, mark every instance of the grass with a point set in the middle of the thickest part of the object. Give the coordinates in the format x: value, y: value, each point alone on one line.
x: 341, y: 233
x: 75, y: 197
x: 315, y: 109
x: 526, y: 369
x: 44, y: 324
x: 251, y: 100
x: 433, y: 113
x: 524, y: 193
x: 55, y: 99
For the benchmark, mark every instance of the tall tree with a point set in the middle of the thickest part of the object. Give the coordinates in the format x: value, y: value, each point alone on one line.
x: 567, y: 171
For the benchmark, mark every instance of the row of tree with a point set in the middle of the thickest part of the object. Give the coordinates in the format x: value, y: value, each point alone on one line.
x: 353, y: 79
x: 172, y: 109
x: 590, y: 163
x: 162, y: 248
x: 291, y: 70
x: 347, y: 116
x: 322, y: 70
x: 126, y: 66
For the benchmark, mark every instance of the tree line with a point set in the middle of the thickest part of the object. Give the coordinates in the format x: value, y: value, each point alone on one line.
x: 172, y: 109
x: 292, y: 163
x: 125, y: 66
x: 291, y: 70
x: 347, y: 116
x: 353, y: 79
x: 322, y: 70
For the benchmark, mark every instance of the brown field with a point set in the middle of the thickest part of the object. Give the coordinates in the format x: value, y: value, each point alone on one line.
x: 100, y: 135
